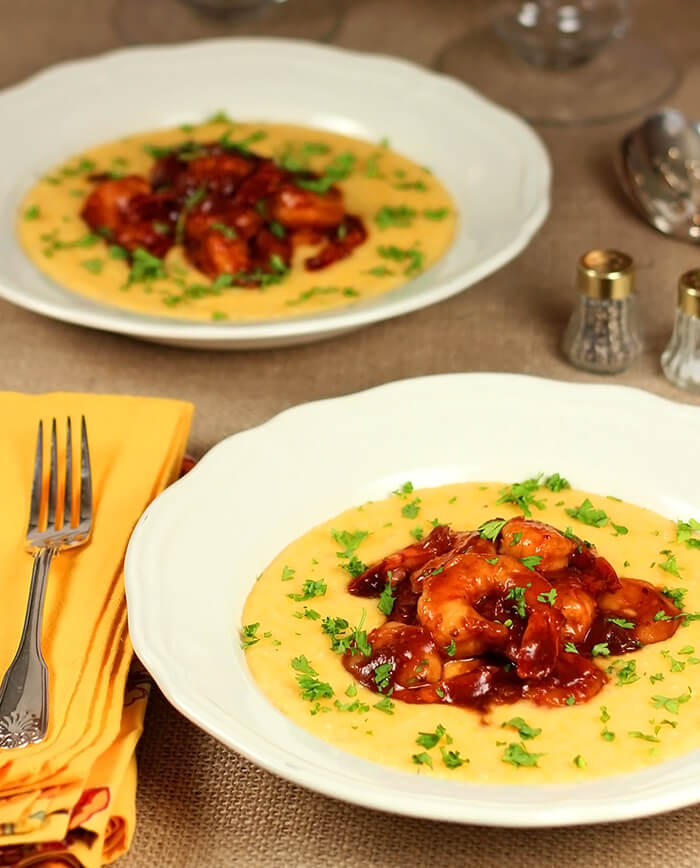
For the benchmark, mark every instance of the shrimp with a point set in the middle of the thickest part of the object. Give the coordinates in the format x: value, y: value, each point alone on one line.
x: 578, y: 607
x: 654, y: 616
x: 295, y: 207
x: 212, y: 168
x: 573, y: 678
x: 462, y: 542
x: 409, y: 650
x: 340, y: 244
x: 214, y: 173
x: 215, y: 254
x: 108, y: 204
x: 450, y: 602
x: 395, y: 567
x: 222, y: 216
x: 521, y: 537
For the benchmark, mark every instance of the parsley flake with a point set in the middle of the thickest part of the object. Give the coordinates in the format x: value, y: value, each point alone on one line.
x: 518, y: 755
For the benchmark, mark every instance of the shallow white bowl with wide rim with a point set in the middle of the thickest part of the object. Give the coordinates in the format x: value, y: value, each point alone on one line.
x: 492, y: 163
x: 196, y: 551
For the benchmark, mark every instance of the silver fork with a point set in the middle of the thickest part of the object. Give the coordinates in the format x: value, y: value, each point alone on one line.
x: 24, y: 713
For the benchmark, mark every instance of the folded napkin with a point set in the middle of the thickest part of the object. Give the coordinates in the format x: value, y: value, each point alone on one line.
x: 70, y: 799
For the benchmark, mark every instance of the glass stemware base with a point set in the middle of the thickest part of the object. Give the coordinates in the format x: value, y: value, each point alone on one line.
x: 628, y: 75
x: 163, y: 21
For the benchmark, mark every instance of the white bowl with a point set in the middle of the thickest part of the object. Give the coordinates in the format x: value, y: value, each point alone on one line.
x: 492, y: 163
x: 194, y: 555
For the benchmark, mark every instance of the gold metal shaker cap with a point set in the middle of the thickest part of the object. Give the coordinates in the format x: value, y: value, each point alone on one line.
x: 606, y: 274
x: 689, y: 292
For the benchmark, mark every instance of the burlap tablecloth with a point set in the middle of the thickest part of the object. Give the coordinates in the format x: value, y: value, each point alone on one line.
x: 201, y: 806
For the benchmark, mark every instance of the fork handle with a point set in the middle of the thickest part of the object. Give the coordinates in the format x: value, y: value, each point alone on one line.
x: 24, y: 692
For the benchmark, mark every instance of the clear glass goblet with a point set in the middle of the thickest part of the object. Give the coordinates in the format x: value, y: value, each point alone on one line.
x: 557, y: 62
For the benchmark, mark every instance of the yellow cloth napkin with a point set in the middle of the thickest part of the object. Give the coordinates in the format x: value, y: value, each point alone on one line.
x: 71, y: 798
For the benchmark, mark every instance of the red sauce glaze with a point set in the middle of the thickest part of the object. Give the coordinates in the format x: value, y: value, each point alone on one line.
x: 234, y: 212
x: 513, y: 632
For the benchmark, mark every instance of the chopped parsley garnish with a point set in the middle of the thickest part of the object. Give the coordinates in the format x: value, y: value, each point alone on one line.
x: 411, y: 509
x: 685, y: 533
x: 224, y: 230
x: 351, y: 689
x: 341, y: 640
x: 349, y: 540
x: 243, y: 145
x: 53, y: 243
x: 676, y: 665
x: 386, y: 600
x: 248, y: 635
x: 522, y: 494
x: 531, y: 561
x: 219, y: 117
x: 518, y: 755
x: 588, y: 514
x: 145, y: 267
x: 451, y: 649
x: 635, y: 733
x: 357, y: 706
x: 314, y: 291
x: 288, y: 573
x: 412, y: 257
x: 382, y: 675
x: 492, y: 561
x: 422, y: 759
x: 398, y: 215
x: 570, y: 700
x: 311, y: 688
x: 31, y: 213
x: 404, y: 490
x: 524, y: 730
x: 451, y: 758
x: 435, y: 213
x: 380, y: 271
x: 518, y: 595
x: 579, y: 762
x: 571, y: 648
x: 428, y: 740
x: 385, y: 704
x: 490, y: 529
x: 549, y: 597
x: 676, y: 596
x: 606, y: 735
x: 311, y: 588
x: 671, y: 703
x: 622, y: 622
x: 600, y: 650
x: 626, y: 672
x: 555, y: 482
x: 310, y: 614
x: 94, y: 266
x: 657, y: 676
x: 670, y: 565
x: 338, y: 169
x: 417, y: 533
x: 117, y: 252
x: 604, y: 714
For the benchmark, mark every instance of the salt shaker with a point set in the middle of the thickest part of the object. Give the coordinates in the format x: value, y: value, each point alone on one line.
x: 603, y: 334
x: 681, y: 358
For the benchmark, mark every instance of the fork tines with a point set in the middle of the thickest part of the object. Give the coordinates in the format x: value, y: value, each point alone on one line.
x: 38, y: 528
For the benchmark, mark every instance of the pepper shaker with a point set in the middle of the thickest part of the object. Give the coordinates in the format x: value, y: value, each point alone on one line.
x: 603, y: 334
x: 681, y: 358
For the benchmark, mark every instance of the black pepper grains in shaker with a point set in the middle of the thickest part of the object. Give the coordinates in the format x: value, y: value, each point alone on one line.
x: 603, y: 333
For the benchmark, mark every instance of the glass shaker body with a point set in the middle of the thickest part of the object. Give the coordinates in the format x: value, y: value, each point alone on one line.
x: 604, y: 334
x: 680, y: 360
